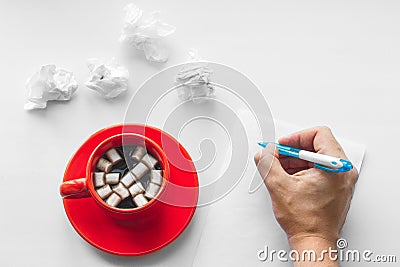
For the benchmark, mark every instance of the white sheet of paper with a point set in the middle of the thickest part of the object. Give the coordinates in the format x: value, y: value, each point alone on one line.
x: 241, y: 224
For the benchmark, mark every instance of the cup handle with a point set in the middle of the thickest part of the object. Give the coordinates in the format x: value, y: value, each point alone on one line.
x: 74, y: 188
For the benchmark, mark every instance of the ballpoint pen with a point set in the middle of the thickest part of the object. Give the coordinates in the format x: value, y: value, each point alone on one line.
x: 321, y: 161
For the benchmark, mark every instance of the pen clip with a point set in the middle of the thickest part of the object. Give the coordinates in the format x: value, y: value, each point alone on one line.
x: 347, y: 166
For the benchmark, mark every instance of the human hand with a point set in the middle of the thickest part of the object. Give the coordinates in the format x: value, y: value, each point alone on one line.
x: 308, y: 203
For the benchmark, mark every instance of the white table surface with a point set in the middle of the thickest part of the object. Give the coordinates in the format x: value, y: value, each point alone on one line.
x: 334, y: 63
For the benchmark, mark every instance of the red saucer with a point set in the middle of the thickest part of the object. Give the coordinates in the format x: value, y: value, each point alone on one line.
x: 111, y: 236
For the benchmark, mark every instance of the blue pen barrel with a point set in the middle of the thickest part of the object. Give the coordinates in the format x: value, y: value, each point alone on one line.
x: 288, y: 151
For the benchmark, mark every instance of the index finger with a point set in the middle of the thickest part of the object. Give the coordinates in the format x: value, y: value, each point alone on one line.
x: 318, y: 139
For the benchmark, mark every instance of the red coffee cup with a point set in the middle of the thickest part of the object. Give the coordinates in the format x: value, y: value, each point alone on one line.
x: 84, y: 187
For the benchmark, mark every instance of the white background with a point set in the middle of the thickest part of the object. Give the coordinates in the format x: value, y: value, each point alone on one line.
x: 334, y: 63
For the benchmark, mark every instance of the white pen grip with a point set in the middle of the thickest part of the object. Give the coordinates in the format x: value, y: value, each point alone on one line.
x: 321, y: 159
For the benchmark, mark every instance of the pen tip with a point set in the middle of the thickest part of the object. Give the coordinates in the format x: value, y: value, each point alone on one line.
x: 263, y: 144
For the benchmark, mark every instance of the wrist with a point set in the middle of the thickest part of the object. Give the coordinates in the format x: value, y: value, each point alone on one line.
x: 314, y: 250
x: 300, y: 239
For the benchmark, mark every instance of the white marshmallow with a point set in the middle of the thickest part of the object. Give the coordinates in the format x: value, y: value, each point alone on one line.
x: 151, y: 190
x: 159, y: 172
x: 104, y: 191
x: 113, y: 200
x: 138, y: 153
x: 128, y: 179
x: 104, y: 165
x: 136, y: 189
x: 149, y: 161
x: 121, y: 190
x: 140, y: 200
x: 98, y: 179
x: 139, y: 170
x: 156, y: 177
x: 113, y: 156
x: 112, y: 178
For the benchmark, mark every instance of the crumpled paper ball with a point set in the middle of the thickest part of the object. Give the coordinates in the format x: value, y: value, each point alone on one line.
x: 49, y: 84
x: 108, y: 79
x: 146, y: 32
x: 193, y: 79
